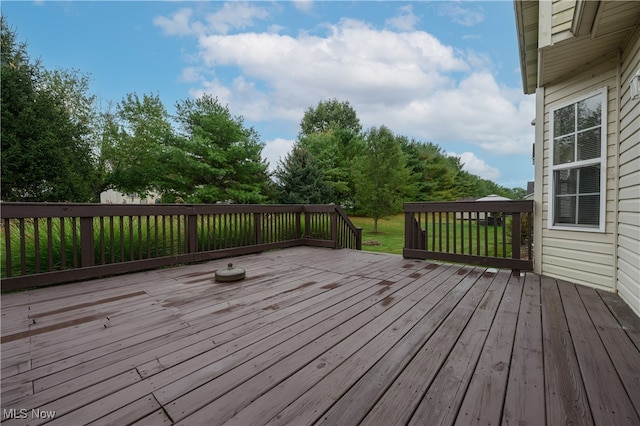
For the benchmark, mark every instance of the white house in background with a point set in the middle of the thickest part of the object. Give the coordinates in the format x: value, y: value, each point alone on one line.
x: 582, y: 60
x: 493, y: 197
x: 480, y: 215
x: 114, y: 197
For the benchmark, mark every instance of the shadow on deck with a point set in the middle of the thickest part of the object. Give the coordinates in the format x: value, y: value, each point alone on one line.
x: 318, y: 335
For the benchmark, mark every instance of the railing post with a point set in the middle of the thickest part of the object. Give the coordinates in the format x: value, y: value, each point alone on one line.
x: 358, y: 238
x: 7, y: 247
x: 515, y: 239
x: 192, y: 233
x: 87, y: 248
x: 257, y: 228
x: 307, y: 224
x: 408, y: 230
x: 334, y: 229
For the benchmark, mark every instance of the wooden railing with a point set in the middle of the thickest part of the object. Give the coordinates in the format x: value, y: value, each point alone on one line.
x: 492, y: 233
x: 50, y: 243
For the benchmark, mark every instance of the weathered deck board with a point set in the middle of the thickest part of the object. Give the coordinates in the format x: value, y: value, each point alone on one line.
x: 617, y: 344
x: 610, y: 402
x: 624, y: 316
x: 402, y: 398
x: 321, y: 336
x: 274, y: 365
x: 371, y: 341
x: 565, y: 396
x: 483, y: 399
x: 524, y: 401
x: 323, y: 395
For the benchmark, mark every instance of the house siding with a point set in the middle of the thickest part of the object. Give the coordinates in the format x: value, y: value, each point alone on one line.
x: 628, y: 244
x: 572, y: 61
x: 561, y: 17
x: 579, y: 256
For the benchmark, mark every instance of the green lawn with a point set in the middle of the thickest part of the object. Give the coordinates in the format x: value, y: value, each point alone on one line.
x: 390, y: 233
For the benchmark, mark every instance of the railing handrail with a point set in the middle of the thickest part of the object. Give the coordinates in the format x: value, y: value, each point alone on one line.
x: 16, y: 210
x: 442, y: 243
x: 98, y: 239
x: 523, y: 206
x: 355, y: 230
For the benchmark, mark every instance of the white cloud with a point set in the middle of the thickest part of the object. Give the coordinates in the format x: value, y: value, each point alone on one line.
x: 275, y: 28
x: 231, y: 16
x: 190, y: 75
x: 476, y: 166
x: 235, y: 15
x: 463, y: 15
x: 303, y: 5
x: 409, y: 81
x: 477, y: 111
x: 215, y: 88
x: 406, y: 20
x: 178, y: 24
x: 276, y: 150
x: 354, y: 62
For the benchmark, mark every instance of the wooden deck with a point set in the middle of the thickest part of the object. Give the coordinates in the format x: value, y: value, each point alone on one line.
x: 320, y: 336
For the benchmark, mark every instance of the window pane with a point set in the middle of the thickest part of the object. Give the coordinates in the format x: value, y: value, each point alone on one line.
x: 589, y: 180
x: 566, y: 181
x: 563, y: 150
x: 577, y: 136
x: 565, y: 210
x: 589, y: 210
x: 589, y: 144
x: 589, y: 112
x: 564, y: 121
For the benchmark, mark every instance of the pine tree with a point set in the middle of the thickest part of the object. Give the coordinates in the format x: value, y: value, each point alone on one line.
x: 300, y: 180
x: 217, y: 158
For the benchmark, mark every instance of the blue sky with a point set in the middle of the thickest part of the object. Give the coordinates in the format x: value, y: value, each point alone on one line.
x: 440, y: 71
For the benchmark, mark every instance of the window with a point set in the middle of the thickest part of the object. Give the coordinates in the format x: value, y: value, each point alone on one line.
x: 578, y: 153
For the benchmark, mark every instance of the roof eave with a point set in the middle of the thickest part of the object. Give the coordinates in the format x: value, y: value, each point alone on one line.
x: 525, y: 56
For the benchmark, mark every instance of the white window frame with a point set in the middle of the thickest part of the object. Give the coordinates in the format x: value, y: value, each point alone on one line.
x: 601, y: 161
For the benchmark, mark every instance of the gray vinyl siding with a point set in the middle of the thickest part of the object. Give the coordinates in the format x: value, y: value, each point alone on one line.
x: 628, y: 248
x: 562, y: 16
x: 576, y: 255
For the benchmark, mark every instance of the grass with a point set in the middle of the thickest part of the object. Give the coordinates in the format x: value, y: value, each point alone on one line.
x: 390, y: 236
x: 390, y: 233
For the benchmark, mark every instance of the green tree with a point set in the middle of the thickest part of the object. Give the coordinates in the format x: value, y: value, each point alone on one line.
x: 331, y: 133
x: 46, y: 155
x: 216, y: 158
x: 435, y: 174
x: 133, y: 141
x: 472, y: 186
x: 70, y: 88
x: 300, y: 180
x: 325, y: 149
x: 518, y: 193
x: 383, y: 179
x: 329, y: 115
